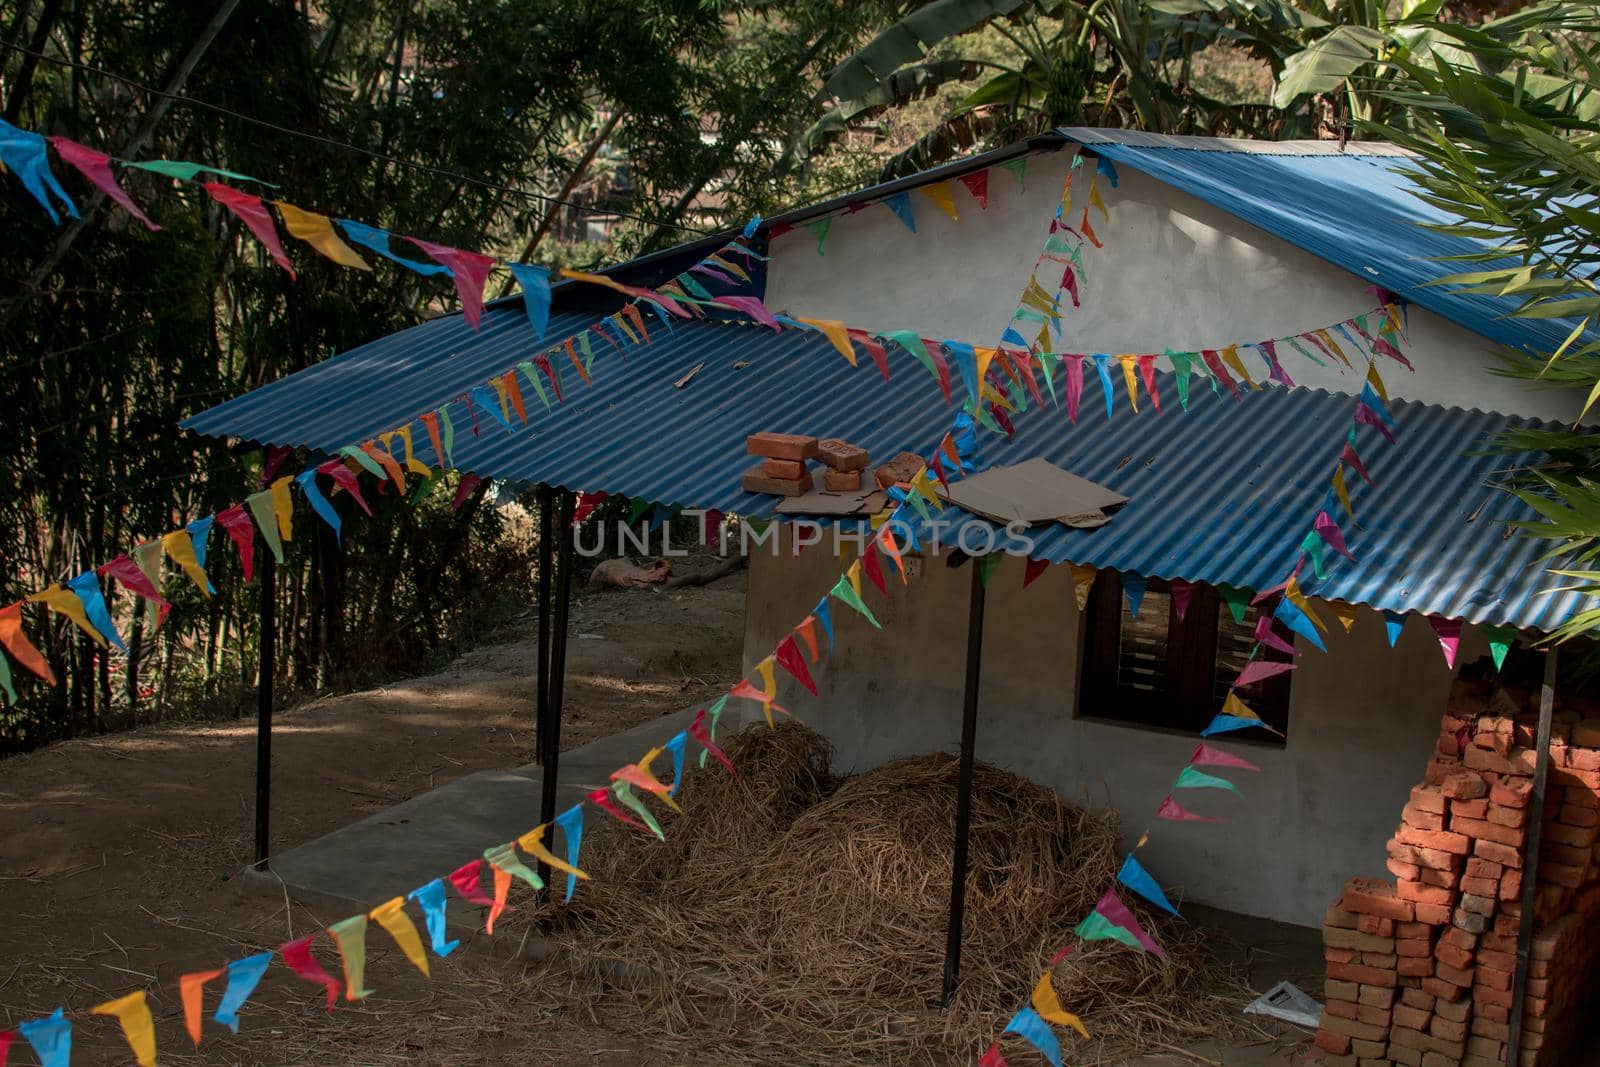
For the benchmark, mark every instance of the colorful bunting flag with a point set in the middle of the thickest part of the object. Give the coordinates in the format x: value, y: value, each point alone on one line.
x: 297, y: 957
x: 1206, y: 756
x: 1501, y: 639
x: 1189, y: 778
x: 939, y: 193
x: 391, y: 915
x: 1027, y: 1025
x: 1133, y: 587
x: 254, y: 214
x: 431, y: 899
x: 1032, y: 568
x: 845, y: 591
x: 51, y: 1037
x: 1169, y: 809
x: 977, y: 184
x: 23, y: 153
x: 1135, y: 877
x: 63, y: 601
x: 1018, y: 168
x: 243, y: 976
x: 133, y: 1013
x: 191, y: 988
x: 1048, y: 1005
x: 469, y: 270
x: 86, y: 587
x: 1260, y: 670
x: 1449, y: 633
x: 351, y: 937
x: 96, y: 166
x: 787, y: 655
x: 900, y: 204
x: 1102, y: 363
x: 819, y: 228
x: 377, y: 240
x: 318, y: 232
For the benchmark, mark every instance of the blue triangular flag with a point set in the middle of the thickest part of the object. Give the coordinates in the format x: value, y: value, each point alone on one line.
x: 378, y: 240
x: 243, y: 976
x: 675, y: 745
x: 199, y: 534
x: 965, y: 358
x: 319, y: 503
x: 1108, y: 168
x: 1031, y: 1027
x: 491, y: 403
x: 751, y: 226
x: 51, y: 1037
x: 1011, y: 336
x: 1289, y: 613
x: 535, y: 282
x: 1102, y: 363
x: 431, y: 899
x: 1133, y: 587
x: 1370, y: 397
x: 571, y: 823
x: 1226, y: 723
x: 23, y: 153
x: 1393, y: 621
x: 825, y: 617
x: 86, y: 587
x: 900, y: 204
x: 1136, y: 878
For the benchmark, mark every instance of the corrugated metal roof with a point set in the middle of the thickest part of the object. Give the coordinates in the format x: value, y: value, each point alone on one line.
x: 1355, y: 209
x: 1220, y: 494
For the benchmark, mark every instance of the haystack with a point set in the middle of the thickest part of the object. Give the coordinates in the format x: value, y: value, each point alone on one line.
x: 793, y: 916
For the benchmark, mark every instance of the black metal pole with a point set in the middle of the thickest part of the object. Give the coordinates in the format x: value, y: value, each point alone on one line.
x: 546, y: 535
x: 1530, y: 863
x: 551, y: 757
x: 267, y: 649
x: 969, y: 735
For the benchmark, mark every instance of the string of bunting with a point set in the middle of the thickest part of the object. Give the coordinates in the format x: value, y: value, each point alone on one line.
x: 623, y: 800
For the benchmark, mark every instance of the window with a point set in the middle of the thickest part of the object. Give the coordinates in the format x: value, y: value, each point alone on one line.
x: 1160, y: 671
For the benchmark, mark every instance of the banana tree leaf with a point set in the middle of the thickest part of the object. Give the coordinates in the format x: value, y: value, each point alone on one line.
x: 1327, y: 62
x: 908, y: 41
x: 908, y: 83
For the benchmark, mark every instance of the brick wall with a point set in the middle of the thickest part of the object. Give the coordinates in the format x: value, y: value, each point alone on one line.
x: 1419, y: 970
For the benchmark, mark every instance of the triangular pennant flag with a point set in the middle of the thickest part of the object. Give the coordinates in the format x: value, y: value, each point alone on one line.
x: 243, y: 977
x: 1082, y: 582
x: 262, y: 507
x: 243, y: 532
x: 17, y: 645
x: 254, y: 214
x: 1031, y: 569
x: 469, y: 270
x: 624, y: 793
x: 1018, y: 167
x: 1501, y: 639
x: 1266, y: 635
x: 787, y: 655
x: 1027, y: 1025
x: 992, y: 1058
x: 191, y: 988
x: 307, y: 480
x: 1345, y: 613
x: 468, y: 881
x: 1133, y: 587
x: 1096, y: 927
x: 179, y: 546
x: 698, y: 731
x: 10, y: 691
x: 1102, y: 363
x: 1169, y: 809
x: 1181, y: 591
x: 1449, y: 634
x: 62, y: 600
x: 824, y: 616
x: 1189, y: 778
x: 846, y: 593
x: 1088, y: 230
x: 1136, y: 878
x: 837, y: 334
x: 819, y: 228
x: 86, y: 587
x: 873, y: 569
x: 96, y: 166
x: 1095, y: 200
x: 1219, y: 373
x: 51, y: 1037
x: 1393, y: 622
x: 986, y: 565
x: 1329, y: 531
x: 1230, y: 356
x: 534, y: 281
x: 297, y: 957
x: 1182, y: 367
x: 639, y: 774
x: 1206, y: 756
x: 1260, y: 670
x: 24, y: 154
x: 808, y: 633
x: 571, y: 823
x: 351, y: 937
x: 900, y: 204
x: 939, y: 193
x: 391, y: 915
x: 1291, y: 616
x: 532, y: 843
x: 601, y: 798
x: 183, y: 171
x: 1048, y: 1005
x: 1112, y: 907
x: 282, y: 508
x: 1130, y: 380
x: 1073, y: 366
x: 977, y: 184
x: 378, y: 241
x: 1236, y: 599
x: 318, y: 232
x: 137, y: 1026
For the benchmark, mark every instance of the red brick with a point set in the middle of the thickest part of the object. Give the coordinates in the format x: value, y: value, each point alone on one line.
x: 1492, y: 979
x: 781, y: 446
x: 1421, y: 820
x: 1356, y: 972
x: 1417, y: 892
x: 1490, y: 1030
x: 1429, y: 876
x: 1428, y: 798
x: 1334, y: 954
x: 1470, y: 921
x: 1483, y: 1009
x: 1483, y: 887
x: 1561, y: 874
x: 841, y: 481
x: 841, y: 455
x: 1432, y: 914
x: 1376, y: 1016
x: 787, y: 469
x: 1442, y: 989
x: 1368, y: 896
x: 1567, y: 776
x: 1413, y: 946
x: 1503, y: 961
x: 1498, y: 853
x: 1341, y: 1009
x: 1416, y: 998
x: 1511, y: 792
x: 1333, y: 989
x: 757, y: 480
x: 1453, y: 956
x: 1338, y: 1044
x: 1440, y: 840
x: 1487, y: 996
x: 1578, y: 815
x: 1478, y: 867
x: 1470, y: 809
x: 1484, y: 830
x: 902, y: 468
x: 1569, y: 855
x: 1439, y: 768
x: 1372, y: 924
x: 1583, y: 759
x: 1354, y: 1028
x: 1414, y: 966
x: 1382, y: 960
x: 1463, y: 785
x: 1570, y: 836
x: 1412, y: 929
x: 1339, y: 918
x: 1456, y: 976
x: 1477, y: 905
x: 1411, y: 1018
x: 1480, y: 760
x: 1376, y: 996
x: 1459, y: 1011
x: 1504, y: 816
x: 1450, y: 1031
x: 1422, y: 857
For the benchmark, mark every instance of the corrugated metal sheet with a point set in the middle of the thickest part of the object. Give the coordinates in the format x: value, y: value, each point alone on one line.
x: 1220, y: 494
x: 1355, y: 209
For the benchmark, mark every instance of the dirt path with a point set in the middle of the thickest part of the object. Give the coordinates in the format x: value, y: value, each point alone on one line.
x: 116, y: 852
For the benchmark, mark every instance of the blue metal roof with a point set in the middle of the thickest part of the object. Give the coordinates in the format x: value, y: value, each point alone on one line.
x: 1356, y: 209
x: 1220, y: 494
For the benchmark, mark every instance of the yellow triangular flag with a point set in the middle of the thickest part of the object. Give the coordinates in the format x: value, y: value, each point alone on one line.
x: 837, y: 333
x: 1129, y: 366
x: 1048, y: 1005
x: 939, y: 193
x: 853, y: 574
x: 1230, y: 356
x: 1332, y: 345
x: 283, y: 508
x: 137, y: 1025
x: 1094, y: 198
x: 532, y: 843
x: 1234, y: 706
x: 1345, y: 613
x: 1376, y: 381
x: 413, y: 464
x: 60, y: 598
x: 149, y: 556
x: 1082, y: 583
x: 318, y: 232
x: 1343, y: 493
x: 178, y: 545
x: 391, y: 915
x: 1291, y: 591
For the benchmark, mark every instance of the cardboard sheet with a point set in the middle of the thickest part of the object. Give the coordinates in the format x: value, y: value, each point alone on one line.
x: 868, y: 500
x: 1034, y: 492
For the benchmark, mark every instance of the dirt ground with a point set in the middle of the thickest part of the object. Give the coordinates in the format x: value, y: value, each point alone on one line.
x: 116, y: 853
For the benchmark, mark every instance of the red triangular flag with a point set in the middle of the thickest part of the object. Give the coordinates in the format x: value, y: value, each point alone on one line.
x: 787, y: 655
x: 297, y: 955
x: 872, y: 568
x: 469, y: 270
x: 1169, y: 809
x: 697, y: 730
x: 96, y: 166
x: 875, y: 349
x: 992, y: 1058
x: 601, y: 798
x: 1206, y: 756
x: 128, y: 573
x: 468, y: 880
x: 464, y: 489
x: 253, y: 214
x: 1181, y: 591
x: 978, y: 185
x: 345, y: 479
x: 237, y: 522
x: 1032, y: 569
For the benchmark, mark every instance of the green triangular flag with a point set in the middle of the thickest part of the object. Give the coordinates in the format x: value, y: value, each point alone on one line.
x: 1056, y: 243
x: 260, y: 506
x: 711, y: 729
x: 1047, y: 368
x: 1298, y: 347
x: 185, y: 172
x: 1182, y: 367
x: 1312, y: 546
x: 1096, y: 927
x: 1189, y: 778
x: 844, y: 592
x: 586, y: 348
x: 424, y: 488
x: 1501, y: 639
x: 1018, y: 167
x: 5, y: 680
x: 505, y: 858
x: 624, y: 793
x: 986, y: 566
x: 533, y: 379
x: 819, y: 230
x: 911, y: 342
x: 449, y: 436
x: 1236, y: 599
x: 367, y: 463
x: 694, y: 287
x: 640, y: 506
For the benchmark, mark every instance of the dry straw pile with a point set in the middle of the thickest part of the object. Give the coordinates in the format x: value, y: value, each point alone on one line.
x: 791, y: 916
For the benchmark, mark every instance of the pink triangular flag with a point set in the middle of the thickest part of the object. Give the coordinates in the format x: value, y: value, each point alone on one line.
x: 128, y: 573
x: 1267, y: 636
x: 1206, y: 756
x: 96, y: 166
x: 978, y: 185
x: 1180, y: 590
x: 1449, y: 631
x: 1112, y: 907
x: 1258, y: 670
x: 345, y: 479
x: 1329, y: 531
x: 751, y: 306
x: 1169, y: 809
x: 469, y: 270
x: 253, y: 214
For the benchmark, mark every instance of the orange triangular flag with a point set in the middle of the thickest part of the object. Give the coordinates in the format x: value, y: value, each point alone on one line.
x: 190, y: 989
x: 17, y: 644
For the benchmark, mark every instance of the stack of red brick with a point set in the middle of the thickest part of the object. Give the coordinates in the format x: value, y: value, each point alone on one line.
x: 1420, y: 972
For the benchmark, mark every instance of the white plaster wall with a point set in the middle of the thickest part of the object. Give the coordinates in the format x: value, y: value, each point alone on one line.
x: 1363, y: 720
x: 1174, y: 273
